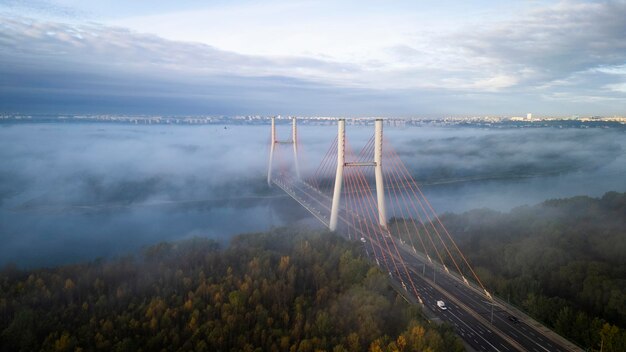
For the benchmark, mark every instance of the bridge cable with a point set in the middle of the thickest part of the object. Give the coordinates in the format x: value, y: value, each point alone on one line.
x: 316, y: 176
x: 406, y: 200
x: 363, y: 219
x: 412, y: 181
x: 423, y: 221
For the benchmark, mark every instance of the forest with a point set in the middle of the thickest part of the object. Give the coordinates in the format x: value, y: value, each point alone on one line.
x: 286, y: 290
x: 562, y: 261
x: 292, y: 289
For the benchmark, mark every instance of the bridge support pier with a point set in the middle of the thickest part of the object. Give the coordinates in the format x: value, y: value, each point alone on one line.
x: 341, y: 161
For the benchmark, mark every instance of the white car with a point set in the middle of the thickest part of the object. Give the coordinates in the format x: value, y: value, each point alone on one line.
x: 441, y: 305
x: 363, y: 240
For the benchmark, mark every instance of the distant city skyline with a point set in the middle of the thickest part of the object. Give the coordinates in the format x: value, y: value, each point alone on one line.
x: 314, y: 57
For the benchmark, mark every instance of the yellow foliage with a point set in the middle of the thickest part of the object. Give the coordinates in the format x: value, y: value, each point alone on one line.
x: 63, y: 342
x: 401, y: 342
x: 284, y: 263
x: 376, y: 346
x: 188, y: 304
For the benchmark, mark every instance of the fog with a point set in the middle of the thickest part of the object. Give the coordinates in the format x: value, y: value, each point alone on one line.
x: 72, y: 192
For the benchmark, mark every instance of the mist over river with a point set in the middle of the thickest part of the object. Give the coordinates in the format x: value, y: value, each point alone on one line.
x: 78, y: 191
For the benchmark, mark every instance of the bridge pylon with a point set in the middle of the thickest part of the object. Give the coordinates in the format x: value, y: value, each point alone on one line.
x: 274, y: 141
x: 272, y: 147
x: 341, y: 162
x: 294, y: 141
x: 378, y: 172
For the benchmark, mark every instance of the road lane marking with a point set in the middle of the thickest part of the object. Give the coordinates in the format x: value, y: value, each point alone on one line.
x: 474, y: 331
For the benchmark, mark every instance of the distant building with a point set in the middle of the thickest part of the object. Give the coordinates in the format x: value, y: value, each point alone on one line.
x: 529, y: 116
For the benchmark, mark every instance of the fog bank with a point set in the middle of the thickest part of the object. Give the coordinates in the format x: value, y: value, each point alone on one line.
x: 72, y: 192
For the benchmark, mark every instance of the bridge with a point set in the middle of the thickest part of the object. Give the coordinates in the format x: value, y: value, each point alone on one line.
x: 353, y: 194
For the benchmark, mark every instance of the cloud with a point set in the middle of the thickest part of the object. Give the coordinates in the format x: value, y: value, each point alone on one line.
x: 537, y: 48
x: 40, y: 7
x: 554, y: 43
x: 90, y: 64
x: 562, y: 59
x: 124, y: 49
x: 621, y: 87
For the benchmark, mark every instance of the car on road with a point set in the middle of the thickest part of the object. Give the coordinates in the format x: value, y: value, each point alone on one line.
x: 513, y: 319
x: 441, y: 305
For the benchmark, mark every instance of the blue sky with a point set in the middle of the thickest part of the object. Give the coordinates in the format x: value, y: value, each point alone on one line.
x: 390, y: 58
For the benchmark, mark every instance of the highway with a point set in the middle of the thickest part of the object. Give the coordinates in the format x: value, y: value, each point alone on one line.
x: 469, y: 310
x: 466, y: 300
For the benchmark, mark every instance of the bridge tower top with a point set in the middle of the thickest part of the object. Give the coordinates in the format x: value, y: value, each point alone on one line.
x: 378, y: 172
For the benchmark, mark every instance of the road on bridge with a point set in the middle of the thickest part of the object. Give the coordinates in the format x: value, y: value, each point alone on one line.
x: 482, y: 323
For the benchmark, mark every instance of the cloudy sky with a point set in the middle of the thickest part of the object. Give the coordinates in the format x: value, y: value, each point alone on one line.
x: 367, y: 57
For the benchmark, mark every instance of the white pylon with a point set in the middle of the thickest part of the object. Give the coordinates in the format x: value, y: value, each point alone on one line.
x: 378, y: 171
x: 294, y: 141
x: 274, y: 142
x: 272, y: 146
x: 341, y: 161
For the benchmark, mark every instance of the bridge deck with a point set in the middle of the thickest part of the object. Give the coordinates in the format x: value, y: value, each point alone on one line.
x: 469, y: 310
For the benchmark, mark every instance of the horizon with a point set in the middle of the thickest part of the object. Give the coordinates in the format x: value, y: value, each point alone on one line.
x: 529, y: 117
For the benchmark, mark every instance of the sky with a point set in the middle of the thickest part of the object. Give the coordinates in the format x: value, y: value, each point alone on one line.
x: 348, y: 58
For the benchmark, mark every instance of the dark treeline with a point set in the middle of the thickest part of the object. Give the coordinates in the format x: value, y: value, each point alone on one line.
x: 563, y: 261
x: 279, y: 291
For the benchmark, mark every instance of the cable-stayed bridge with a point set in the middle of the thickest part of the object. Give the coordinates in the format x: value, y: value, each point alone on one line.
x: 371, y: 197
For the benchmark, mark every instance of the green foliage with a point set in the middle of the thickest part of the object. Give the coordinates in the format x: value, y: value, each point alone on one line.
x: 279, y: 291
x: 563, y: 261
